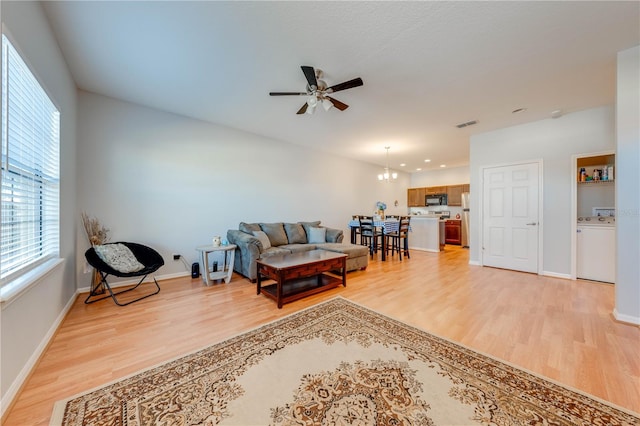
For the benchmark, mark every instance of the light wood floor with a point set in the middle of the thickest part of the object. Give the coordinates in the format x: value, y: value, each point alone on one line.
x: 558, y: 328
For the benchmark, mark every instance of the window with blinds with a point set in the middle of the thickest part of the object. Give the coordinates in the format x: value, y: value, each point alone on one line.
x: 30, y: 178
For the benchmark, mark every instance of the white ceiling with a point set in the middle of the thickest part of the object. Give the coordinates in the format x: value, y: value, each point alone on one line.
x: 426, y: 66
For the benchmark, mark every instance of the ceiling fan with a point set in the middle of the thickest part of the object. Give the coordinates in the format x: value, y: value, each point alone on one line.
x: 317, y: 91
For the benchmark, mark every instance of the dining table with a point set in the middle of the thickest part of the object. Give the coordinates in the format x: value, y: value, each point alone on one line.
x: 388, y: 226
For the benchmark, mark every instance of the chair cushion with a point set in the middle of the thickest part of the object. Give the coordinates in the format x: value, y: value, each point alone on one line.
x: 275, y: 232
x: 119, y: 257
x: 295, y: 233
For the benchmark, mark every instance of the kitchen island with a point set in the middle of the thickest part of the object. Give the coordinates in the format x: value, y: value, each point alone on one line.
x: 427, y: 233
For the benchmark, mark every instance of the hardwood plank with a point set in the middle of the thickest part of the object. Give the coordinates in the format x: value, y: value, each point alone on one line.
x: 560, y: 329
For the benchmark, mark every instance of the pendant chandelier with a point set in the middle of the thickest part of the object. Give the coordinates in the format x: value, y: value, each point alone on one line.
x: 388, y: 175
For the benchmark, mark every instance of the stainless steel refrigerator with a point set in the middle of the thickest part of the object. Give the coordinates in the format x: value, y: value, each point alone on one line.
x: 465, y: 219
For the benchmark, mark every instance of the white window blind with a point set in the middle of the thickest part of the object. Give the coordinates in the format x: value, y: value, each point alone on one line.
x: 30, y: 178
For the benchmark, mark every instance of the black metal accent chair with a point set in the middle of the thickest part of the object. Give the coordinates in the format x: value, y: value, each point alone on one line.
x: 151, y: 259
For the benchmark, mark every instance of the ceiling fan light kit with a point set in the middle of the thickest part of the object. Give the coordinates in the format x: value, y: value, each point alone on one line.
x: 317, y: 91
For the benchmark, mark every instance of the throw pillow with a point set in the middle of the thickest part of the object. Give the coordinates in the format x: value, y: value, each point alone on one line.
x: 317, y: 235
x: 295, y: 233
x: 307, y: 225
x: 119, y: 257
x: 275, y: 232
x: 249, y: 227
x: 264, y: 240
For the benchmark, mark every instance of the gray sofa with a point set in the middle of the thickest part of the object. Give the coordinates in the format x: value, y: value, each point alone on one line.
x: 284, y: 238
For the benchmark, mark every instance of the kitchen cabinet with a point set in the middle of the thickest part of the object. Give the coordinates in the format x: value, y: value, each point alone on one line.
x: 436, y: 190
x: 454, y: 194
x: 453, y: 232
x: 415, y: 197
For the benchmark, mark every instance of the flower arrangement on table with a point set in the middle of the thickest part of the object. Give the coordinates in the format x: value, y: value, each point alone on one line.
x: 381, y: 208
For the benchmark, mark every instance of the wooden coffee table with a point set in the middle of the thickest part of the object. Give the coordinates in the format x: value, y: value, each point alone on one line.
x: 298, y: 275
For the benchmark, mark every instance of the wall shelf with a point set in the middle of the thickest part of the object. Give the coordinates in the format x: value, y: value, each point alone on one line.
x: 592, y: 182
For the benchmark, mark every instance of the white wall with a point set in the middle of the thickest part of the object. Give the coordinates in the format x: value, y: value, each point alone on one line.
x: 28, y: 321
x: 554, y: 141
x: 628, y: 186
x: 446, y: 176
x: 173, y: 182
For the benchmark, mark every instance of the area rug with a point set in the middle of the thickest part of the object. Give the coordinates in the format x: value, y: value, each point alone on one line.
x: 336, y: 363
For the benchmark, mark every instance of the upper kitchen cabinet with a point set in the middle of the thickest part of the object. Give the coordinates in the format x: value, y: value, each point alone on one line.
x: 454, y: 195
x: 436, y: 190
x: 415, y: 197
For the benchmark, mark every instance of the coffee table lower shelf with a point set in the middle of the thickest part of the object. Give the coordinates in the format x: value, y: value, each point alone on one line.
x: 301, y: 287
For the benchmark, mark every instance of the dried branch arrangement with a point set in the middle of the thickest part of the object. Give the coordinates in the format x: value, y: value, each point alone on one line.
x: 96, y: 233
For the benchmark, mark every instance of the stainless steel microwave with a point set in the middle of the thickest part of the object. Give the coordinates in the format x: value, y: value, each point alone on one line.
x: 436, y: 200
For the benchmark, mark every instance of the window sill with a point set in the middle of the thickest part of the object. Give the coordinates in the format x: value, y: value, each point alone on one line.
x: 11, y: 291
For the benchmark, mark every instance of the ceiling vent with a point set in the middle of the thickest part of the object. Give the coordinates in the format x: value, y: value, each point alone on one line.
x: 468, y: 123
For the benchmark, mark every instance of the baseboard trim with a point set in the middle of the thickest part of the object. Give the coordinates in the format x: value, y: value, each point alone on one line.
x: 134, y: 281
x: 474, y: 263
x: 14, y: 388
x: 424, y: 249
x: 556, y: 275
x: 626, y: 318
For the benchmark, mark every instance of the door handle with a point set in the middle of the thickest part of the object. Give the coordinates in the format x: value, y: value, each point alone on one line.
x: 532, y: 223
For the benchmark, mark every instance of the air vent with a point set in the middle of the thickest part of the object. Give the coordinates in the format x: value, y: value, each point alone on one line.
x: 468, y: 123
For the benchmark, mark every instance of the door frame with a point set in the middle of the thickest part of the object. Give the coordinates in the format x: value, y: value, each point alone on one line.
x: 574, y: 206
x: 539, y: 162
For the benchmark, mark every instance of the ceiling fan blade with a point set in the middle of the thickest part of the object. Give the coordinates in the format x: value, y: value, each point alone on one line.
x: 303, y: 109
x: 310, y: 74
x: 336, y: 103
x: 287, y: 93
x: 346, y: 85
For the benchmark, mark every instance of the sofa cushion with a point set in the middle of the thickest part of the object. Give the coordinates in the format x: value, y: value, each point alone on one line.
x: 295, y: 233
x: 317, y: 235
x: 249, y: 227
x: 307, y: 225
x: 351, y: 250
x: 264, y: 240
x: 275, y: 232
x: 274, y: 251
x: 298, y: 248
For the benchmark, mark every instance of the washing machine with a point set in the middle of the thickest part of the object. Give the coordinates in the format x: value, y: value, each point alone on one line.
x: 596, y: 248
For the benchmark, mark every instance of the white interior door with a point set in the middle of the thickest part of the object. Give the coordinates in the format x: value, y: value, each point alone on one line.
x: 510, y: 217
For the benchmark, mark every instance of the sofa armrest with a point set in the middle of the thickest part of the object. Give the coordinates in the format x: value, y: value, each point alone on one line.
x: 334, y: 235
x: 247, y: 252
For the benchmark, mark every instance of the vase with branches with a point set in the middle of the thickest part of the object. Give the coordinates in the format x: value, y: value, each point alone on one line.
x: 97, y: 235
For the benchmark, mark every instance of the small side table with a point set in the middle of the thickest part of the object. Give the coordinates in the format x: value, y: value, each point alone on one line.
x: 225, y: 270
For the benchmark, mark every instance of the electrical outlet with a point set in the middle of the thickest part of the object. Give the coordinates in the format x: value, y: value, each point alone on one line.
x: 176, y: 257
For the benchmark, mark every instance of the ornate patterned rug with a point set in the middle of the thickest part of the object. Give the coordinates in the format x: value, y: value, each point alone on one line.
x: 336, y: 363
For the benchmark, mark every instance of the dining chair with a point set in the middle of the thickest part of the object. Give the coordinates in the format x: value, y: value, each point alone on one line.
x: 399, y: 241
x: 370, y: 235
x: 355, y: 231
